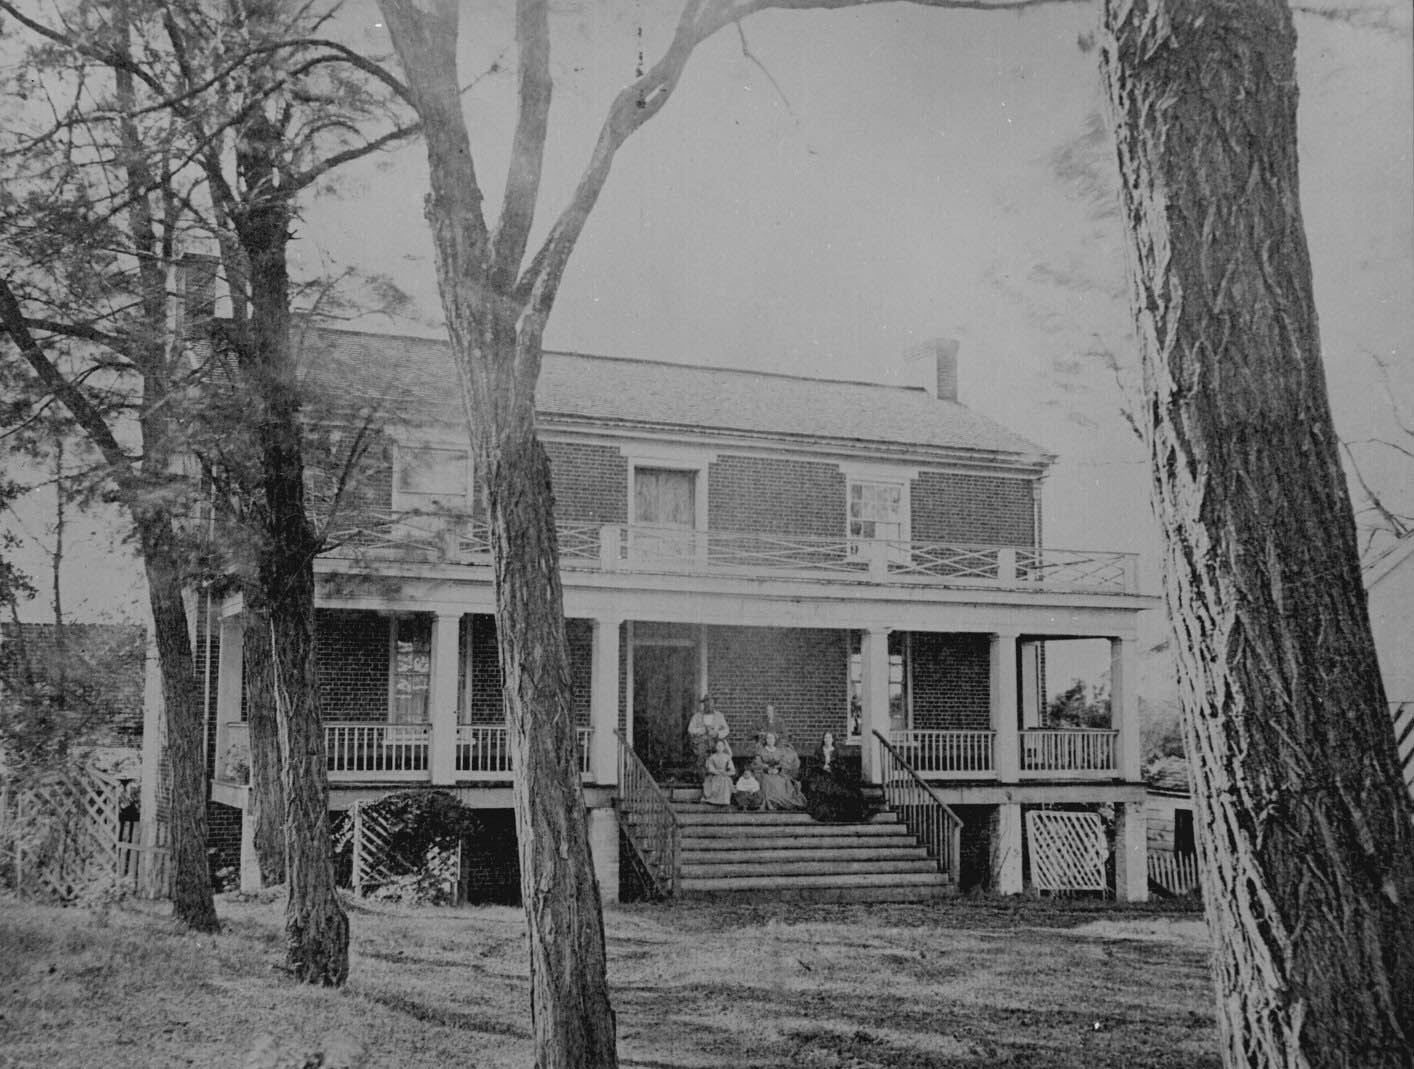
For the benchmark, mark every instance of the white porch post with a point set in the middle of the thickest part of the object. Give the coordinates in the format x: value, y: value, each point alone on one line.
x: 604, y: 707
x: 874, y: 655
x: 1003, y: 698
x: 1124, y: 707
x: 1131, y: 853
x: 442, y: 701
x: 1030, y: 657
x: 1006, y: 850
x: 604, y: 851
x: 154, y: 741
x: 229, y: 678
x: 250, y: 860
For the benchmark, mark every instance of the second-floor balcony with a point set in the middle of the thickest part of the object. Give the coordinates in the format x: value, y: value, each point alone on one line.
x: 630, y: 548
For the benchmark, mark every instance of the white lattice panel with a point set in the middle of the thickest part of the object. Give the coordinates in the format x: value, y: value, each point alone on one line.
x: 1068, y: 851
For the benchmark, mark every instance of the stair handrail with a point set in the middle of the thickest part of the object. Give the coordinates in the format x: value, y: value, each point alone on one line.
x: 647, y: 816
x: 930, y: 819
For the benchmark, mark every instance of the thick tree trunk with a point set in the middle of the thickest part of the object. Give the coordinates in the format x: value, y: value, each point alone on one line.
x: 571, y: 1015
x: 316, y: 928
x: 192, y: 902
x: 1304, y: 827
x: 267, y: 793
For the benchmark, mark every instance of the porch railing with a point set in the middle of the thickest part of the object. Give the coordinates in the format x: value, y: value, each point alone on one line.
x: 647, y: 816
x: 1076, y: 753
x: 376, y: 751
x: 1174, y: 872
x: 931, y: 820
x: 641, y: 547
x: 948, y: 754
x: 484, y: 751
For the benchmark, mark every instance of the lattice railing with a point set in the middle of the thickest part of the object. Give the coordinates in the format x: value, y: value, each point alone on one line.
x: 377, y: 751
x: 647, y: 817
x: 64, y: 832
x: 945, y: 561
x: 1074, y: 752
x: 1077, y: 569
x: 948, y: 754
x: 930, y: 820
x: 377, y: 861
x: 1068, y: 851
x: 1402, y: 713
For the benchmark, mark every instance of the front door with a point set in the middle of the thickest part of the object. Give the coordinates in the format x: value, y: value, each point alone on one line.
x: 664, y: 693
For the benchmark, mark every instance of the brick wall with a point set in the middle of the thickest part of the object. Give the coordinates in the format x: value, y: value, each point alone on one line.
x: 779, y: 496
x: 351, y: 657
x: 486, y: 702
x: 802, y: 672
x: 951, y: 678
x: 950, y: 507
x: 223, y: 845
x: 491, y: 861
x: 590, y: 481
x: 367, y: 496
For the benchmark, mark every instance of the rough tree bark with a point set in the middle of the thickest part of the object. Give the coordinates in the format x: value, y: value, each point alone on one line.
x: 496, y: 342
x: 266, y: 808
x: 1304, y: 828
x: 316, y: 928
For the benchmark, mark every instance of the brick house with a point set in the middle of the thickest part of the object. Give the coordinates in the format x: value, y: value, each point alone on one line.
x: 863, y: 559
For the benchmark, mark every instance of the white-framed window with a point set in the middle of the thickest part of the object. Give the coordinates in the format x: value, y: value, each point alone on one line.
x: 431, y: 477
x: 667, y: 501
x: 877, y: 510
x: 900, y: 700
x: 410, y: 668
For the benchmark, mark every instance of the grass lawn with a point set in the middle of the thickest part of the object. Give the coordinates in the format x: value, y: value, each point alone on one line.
x: 960, y: 984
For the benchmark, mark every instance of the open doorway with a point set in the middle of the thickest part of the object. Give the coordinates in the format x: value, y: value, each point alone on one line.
x: 664, y: 698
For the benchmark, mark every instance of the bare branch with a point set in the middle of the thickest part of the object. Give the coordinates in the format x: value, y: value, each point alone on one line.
x: 305, y: 178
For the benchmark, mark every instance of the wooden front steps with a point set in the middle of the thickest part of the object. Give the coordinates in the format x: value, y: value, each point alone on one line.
x: 736, y: 856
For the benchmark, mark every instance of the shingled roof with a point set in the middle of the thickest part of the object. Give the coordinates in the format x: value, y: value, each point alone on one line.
x: 414, y: 378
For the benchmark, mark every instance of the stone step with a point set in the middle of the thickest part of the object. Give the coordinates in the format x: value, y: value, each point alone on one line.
x: 774, y: 867
x: 711, y: 853
x: 825, y: 895
x: 809, y: 832
x: 695, y: 811
x: 694, y: 884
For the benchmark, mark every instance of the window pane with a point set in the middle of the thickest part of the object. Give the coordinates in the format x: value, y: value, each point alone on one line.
x: 664, y: 497
x: 433, y: 471
x: 412, y: 669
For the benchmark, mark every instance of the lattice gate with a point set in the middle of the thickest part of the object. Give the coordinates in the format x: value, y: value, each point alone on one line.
x: 1068, y: 851
x: 377, y: 863
x: 65, y: 834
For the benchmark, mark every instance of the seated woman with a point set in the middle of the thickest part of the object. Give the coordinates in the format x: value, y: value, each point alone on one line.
x: 778, y: 767
x: 831, y: 794
x: 717, y: 784
x: 747, y: 795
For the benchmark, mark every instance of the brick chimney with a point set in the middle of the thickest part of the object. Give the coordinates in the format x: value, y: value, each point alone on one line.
x: 940, y: 380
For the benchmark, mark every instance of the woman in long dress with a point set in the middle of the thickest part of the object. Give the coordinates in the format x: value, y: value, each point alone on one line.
x: 830, y: 794
x: 778, y: 769
x: 717, y: 783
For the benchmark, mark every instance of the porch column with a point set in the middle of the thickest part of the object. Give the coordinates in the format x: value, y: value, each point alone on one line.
x: 1006, y: 850
x: 604, y: 851
x: 154, y: 742
x: 229, y: 677
x: 442, y: 701
x: 1003, y: 698
x: 1031, y: 697
x: 1124, y: 707
x: 874, y: 655
x: 604, y: 708
x: 1131, y: 853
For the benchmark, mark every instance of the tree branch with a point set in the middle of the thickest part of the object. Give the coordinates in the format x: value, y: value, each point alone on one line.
x: 528, y: 148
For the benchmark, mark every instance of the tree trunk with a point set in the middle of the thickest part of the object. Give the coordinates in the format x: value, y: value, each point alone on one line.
x: 316, y: 928
x: 192, y: 902
x: 266, y: 809
x: 1304, y: 828
x: 571, y: 1016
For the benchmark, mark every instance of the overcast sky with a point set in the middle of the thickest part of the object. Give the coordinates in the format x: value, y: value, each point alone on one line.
x: 876, y: 178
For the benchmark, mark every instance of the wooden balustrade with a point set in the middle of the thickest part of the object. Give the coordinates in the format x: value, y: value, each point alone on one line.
x: 377, y: 751
x: 647, y: 816
x: 948, y: 754
x: 1075, y: 753
x: 484, y: 751
x: 931, y: 820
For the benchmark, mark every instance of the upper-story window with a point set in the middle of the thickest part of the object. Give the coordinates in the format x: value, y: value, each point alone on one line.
x: 432, y: 478
x: 665, y: 497
x: 876, y: 510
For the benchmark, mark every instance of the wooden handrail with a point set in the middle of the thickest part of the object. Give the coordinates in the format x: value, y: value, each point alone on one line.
x: 930, y: 819
x: 646, y: 813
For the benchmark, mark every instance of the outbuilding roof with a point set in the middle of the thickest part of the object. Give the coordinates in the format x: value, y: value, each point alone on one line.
x: 415, y: 378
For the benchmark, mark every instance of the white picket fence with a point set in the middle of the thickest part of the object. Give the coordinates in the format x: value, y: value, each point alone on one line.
x: 1175, y: 873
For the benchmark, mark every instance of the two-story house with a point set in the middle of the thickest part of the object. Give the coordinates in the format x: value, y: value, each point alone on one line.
x: 863, y: 559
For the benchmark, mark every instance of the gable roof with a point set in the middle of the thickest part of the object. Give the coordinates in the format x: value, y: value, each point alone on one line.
x: 415, y: 378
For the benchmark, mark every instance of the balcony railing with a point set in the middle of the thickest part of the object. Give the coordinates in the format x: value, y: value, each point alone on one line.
x: 484, y: 751
x: 755, y: 554
x: 382, y: 752
x: 947, y: 754
x: 1069, y: 753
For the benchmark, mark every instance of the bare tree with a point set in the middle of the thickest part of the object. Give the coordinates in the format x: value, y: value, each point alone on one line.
x: 1306, y: 833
